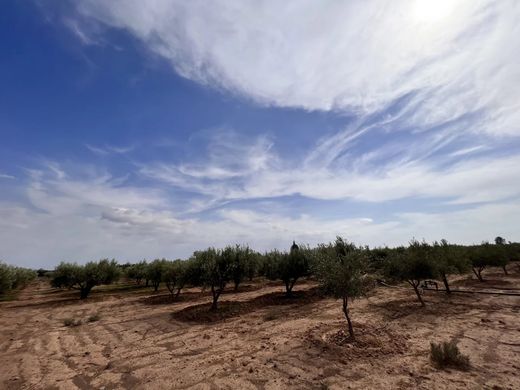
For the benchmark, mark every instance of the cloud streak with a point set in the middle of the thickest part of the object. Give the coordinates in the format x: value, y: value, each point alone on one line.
x: 105, y: 223
x: 456, y: 56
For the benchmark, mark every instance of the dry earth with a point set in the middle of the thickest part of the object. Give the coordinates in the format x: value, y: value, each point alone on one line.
x: 260, y: 340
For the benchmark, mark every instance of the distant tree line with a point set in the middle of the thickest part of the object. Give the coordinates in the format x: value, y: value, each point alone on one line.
x: 12, y: 277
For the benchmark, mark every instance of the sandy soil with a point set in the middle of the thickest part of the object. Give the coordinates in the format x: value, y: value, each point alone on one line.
x: 260, y: 340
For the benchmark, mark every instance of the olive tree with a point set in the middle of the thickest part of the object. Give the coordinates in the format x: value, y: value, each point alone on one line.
x: 6, y: 278
x: 487, y: 255
x: 85, y: 277
x: 287, y: 267
x: 341, y: 271
x: 244, y: 261
x: 449, y: 259
x: 154, y: 273
x: 512, y: 251
x: 413, y: 265
x: 216, y: 267
x: 174, y: 276
x: 12, y: 277
x: 137, y: 271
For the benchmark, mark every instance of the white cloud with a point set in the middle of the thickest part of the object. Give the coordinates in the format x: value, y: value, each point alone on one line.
x: 6, y: 176
x: 229, y: 174
x: 455, y: 56
x: 94, y: 230
x: 441, y: 76
x: 108, y: 149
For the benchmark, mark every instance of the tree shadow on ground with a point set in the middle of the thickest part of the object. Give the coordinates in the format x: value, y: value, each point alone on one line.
x: 477, y: 285
x: 162, y: 298
x: 228, y: 309
x: 437, y: 304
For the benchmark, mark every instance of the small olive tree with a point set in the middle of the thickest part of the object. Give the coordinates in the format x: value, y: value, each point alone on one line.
x: 244, y: 260
x: 449, y: 259
x: 252, y: 265
x: 85, y: 277
x: 6, y: 278
x: 341, y: 271
x: 287, y: 267
x: 174, y: 276
x: 20, y: 276
x: 413, y: 265
x: 216, y: 270
x: 12, y: 277
x: 487, y: 255
x: 154, y: 272
x: 137, y: 271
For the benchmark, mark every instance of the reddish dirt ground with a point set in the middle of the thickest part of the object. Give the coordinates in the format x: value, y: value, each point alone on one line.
x: 258, y: 340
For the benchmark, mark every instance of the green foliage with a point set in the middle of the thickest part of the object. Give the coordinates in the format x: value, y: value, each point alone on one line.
x: 344, y: 275
x: 216, y: 270
x: 487, y: 255
x: 413, y: 265
x: 85, y: 277
x: 137, y: 271
x: 449, y: 259
x: 154, y: 272
x: 41, y: 273
x: 244, y: 263
x: 6, y: 278
x: 512, y: 251
x: 174, y: 276
x: 447, y: 354
x: 341, y: 270
x: 378, y: 259
x: 12, y: 277
x: 287, y: 267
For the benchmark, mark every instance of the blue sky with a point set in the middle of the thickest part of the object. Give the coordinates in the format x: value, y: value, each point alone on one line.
x: 133, y: 129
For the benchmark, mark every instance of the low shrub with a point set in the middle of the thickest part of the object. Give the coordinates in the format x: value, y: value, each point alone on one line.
x: 447, y: 354
x: 71, y: 322
x: 94, y: 318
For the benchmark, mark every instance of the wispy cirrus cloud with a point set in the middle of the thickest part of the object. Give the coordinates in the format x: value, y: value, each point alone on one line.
x: 456, y: 56
x: 6, y: 176
x: 117, y: 219
x: 109, y: 149
x: 429, y: 166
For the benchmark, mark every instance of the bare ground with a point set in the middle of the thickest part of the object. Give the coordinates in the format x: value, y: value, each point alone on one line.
x: 258, y: 340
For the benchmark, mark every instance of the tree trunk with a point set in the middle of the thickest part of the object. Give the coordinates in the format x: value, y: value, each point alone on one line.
x: 477, y: 272
x: 414, y: 285
x: 237, y: 283
x: 289, y: 284
x: 288, y: 288
x: 178, y: 292
x: 347, y: 316
x: 170, y: 289
x: 215, y: 294
x: 84, y: 291
x: 505, y: 270
x: 445, y: 281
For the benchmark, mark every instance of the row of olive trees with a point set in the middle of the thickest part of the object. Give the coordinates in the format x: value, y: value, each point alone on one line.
x: 342, y: 269
x: 347, y: 272
x: 12, y: 277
